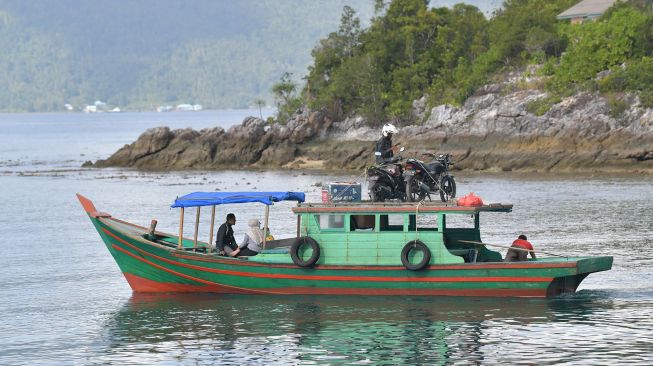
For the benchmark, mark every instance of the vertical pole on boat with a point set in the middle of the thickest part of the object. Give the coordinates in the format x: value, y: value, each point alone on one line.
x: 298, y: 226
x: 197, y: 227
x: 181, y: 228
x: 265, y: 226
x: 211, y: 230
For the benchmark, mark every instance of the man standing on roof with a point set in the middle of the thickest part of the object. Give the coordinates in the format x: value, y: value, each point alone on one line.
x: 521, y: 253
x: 225, y: 242
x: 384, y: 149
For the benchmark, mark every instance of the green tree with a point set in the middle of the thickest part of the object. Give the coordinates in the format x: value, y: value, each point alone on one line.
x: 597, y: 46
x: 411, y: 49
x: 328, y: 56
x: 285, y: 95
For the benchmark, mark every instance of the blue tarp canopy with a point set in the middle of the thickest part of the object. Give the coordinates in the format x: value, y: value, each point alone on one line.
x: 196, y: 199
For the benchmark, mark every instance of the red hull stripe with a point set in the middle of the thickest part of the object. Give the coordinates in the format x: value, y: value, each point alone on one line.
x: 332, y: 278
x: 502, y: 265
x: 140, y: 284
x: 412, y: 292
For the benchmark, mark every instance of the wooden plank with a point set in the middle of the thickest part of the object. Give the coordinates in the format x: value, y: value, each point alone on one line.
x: 211, y: 230
x: 197, y: 227
x: 181, y: 228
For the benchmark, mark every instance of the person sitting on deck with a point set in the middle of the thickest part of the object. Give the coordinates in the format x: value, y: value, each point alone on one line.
x: 225, y: 241
x: 253, y: 241
x: 521, y: 253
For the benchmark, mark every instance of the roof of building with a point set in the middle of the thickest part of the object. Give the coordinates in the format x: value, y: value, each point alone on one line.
x: 587, y: 8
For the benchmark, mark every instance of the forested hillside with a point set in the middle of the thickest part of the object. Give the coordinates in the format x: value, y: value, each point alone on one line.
x: 140, y: 54
x: 412, y: 50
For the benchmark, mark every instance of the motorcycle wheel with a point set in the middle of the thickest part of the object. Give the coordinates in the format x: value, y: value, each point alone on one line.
x: 412, y: 190
x: 453, y: 188
x: 447, y: 188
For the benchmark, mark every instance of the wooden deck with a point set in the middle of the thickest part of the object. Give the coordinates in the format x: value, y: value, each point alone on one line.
x: 427, y: 206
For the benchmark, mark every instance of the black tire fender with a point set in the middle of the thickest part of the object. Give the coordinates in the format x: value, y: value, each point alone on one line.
x: 298, y: 244
x: 415, y: 245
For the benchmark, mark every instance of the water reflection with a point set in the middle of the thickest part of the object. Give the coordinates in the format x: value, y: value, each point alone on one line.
x: 262, y: 329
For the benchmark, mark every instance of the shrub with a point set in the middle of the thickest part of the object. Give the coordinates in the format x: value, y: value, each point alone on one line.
x: 617, y: 106
x: 540, y: 106
x: 636, y: 76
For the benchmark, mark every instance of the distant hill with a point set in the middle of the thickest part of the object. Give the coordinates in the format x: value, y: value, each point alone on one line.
x: 141, y: 54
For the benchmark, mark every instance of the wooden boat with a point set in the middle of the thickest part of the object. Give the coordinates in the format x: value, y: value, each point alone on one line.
x: 340, y: 249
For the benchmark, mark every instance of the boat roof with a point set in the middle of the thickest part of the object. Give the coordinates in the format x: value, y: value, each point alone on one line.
x: 197, y: 199
x: 398, y: 207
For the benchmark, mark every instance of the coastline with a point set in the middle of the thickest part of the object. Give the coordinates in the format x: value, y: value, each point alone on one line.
x: 476, y: 154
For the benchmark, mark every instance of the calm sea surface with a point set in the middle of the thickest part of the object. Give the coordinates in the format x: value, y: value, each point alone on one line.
x: 64, y: 301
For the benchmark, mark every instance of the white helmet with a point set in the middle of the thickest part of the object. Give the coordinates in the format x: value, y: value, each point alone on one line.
x: 389, y: 129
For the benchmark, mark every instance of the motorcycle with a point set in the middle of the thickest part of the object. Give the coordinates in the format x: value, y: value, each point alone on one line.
x: 385, y: 181
x: 422, y: 179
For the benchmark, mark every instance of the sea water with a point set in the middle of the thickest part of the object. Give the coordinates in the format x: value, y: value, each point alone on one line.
x: 63, y: 299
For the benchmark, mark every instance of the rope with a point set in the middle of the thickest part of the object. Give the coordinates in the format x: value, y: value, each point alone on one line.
x: 416, y: 213
x: 515, y: 248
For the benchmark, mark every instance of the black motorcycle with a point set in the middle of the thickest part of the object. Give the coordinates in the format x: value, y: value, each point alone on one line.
x: 386, y: 181
x: 422, y: 178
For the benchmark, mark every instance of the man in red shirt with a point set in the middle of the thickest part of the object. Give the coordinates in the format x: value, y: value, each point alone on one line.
x: 515, y: 255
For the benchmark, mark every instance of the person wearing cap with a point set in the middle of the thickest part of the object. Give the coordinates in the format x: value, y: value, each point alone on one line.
x: 523, y: 247
x: 253, y: 241
x: 384, y: 150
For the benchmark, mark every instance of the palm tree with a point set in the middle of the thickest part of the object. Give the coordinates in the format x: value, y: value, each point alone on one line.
x: 259, y: 103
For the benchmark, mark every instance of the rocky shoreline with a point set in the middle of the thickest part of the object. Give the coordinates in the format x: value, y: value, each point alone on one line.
x: 492, y: 131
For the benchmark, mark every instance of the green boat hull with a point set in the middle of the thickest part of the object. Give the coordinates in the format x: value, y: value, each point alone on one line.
x: 151, y: 267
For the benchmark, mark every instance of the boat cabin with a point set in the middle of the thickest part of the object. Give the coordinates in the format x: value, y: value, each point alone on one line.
x: 375, y: 233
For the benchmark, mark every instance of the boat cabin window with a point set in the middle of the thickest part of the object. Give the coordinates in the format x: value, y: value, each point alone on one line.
x: 460, y: 221
x: 424, y: 222
x: 391, y: 222
x: 361, y: 223
x: 331, y: 222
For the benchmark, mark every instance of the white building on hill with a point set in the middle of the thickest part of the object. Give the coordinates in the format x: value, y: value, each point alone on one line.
x: 586, y: 10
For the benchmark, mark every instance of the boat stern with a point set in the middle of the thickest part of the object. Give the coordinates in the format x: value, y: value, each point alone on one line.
x: 584, y: 266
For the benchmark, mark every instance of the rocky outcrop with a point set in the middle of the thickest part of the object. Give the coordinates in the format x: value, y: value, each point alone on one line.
x: 253, y: 143
x: 493, y: 130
